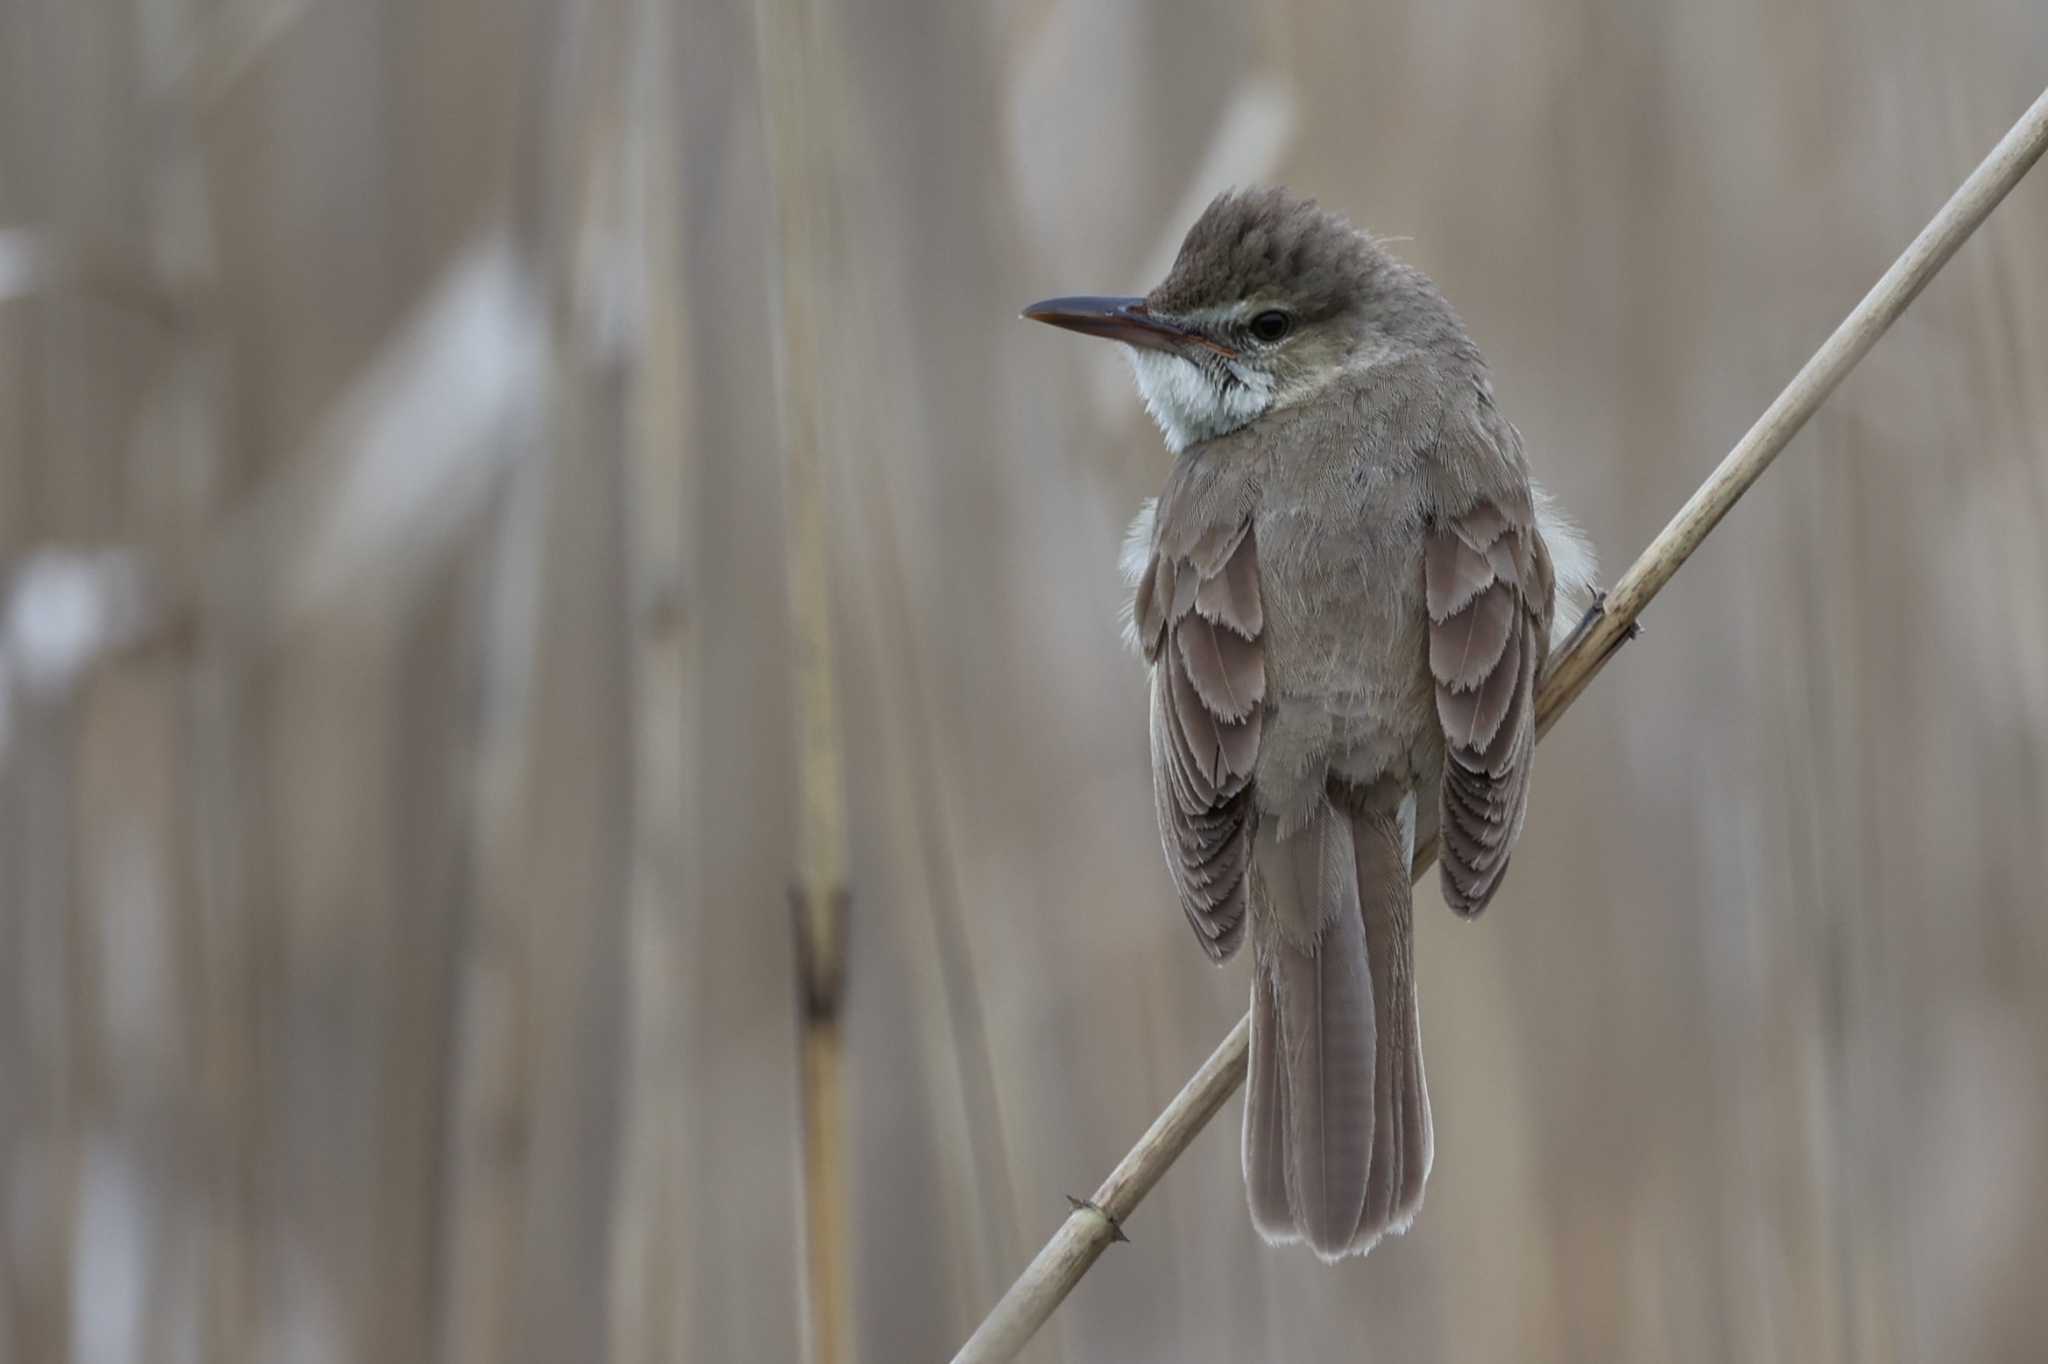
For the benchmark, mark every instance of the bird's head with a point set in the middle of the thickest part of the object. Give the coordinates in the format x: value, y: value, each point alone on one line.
x: 1270, y: 301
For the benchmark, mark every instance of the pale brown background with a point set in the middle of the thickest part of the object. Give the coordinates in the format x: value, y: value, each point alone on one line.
x: 394, y: 960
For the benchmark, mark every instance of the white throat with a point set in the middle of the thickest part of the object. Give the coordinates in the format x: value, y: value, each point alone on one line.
x: 1189, y: 404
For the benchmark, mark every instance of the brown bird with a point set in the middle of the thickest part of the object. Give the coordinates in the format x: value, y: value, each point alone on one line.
x: 1345, y: 594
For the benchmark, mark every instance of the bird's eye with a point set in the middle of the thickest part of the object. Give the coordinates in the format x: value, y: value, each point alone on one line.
x: 1271, y: 325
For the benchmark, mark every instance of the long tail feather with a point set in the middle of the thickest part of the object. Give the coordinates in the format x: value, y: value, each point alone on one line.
x: 1322, y: 995
x: 1337, y: 1136
x: 1265, y: 1115
x: 1403, y: 1143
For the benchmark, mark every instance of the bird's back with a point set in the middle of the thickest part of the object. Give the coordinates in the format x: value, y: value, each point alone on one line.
x: 1334, y: 495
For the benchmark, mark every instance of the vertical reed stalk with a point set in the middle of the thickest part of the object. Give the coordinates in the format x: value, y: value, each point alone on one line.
x: 793, y: 59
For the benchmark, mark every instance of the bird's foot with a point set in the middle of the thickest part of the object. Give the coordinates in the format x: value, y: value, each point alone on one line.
x: 1593, y: 616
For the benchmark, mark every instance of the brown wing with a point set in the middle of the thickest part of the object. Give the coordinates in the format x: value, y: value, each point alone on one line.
x: 1200, y: 621
x: 1489, y: 589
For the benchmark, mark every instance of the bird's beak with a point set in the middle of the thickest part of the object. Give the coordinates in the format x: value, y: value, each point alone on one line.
x: 1123, y: 319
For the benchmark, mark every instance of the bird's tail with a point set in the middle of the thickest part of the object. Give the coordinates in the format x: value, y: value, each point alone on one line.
x: 1337, y: 1139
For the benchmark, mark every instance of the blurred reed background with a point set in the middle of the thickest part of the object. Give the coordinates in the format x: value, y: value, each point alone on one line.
x: 399, y: 793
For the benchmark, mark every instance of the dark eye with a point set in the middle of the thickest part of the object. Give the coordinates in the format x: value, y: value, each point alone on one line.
x: 1271, y: 325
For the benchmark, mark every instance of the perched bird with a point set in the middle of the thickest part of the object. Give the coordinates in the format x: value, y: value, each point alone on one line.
x: 1345, y: 595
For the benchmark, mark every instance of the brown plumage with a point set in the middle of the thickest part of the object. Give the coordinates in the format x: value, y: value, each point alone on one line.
x: 1208, y: 684
x: 1489, y: 595
x: 1346, y: 593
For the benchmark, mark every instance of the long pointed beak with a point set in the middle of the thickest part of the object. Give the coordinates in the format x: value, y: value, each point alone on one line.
x: 1122, y: 319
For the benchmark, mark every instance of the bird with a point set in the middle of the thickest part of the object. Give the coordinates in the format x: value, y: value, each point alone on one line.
x: 1344, y: 595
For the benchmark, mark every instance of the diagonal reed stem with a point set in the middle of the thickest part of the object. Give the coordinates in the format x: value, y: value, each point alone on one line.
x: 1093, y: 1225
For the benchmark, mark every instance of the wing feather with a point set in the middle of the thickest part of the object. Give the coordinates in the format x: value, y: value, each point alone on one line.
x: 1488, y: 590
x: 1202, y: 621
x: 1231, y: 598
x: 1227, y: 670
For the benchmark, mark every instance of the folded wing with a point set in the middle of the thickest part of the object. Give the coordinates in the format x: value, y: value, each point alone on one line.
x: 1489, y: 584
x: 1200, y: 622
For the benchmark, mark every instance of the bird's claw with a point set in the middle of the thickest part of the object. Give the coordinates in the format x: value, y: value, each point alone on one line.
x: 1594, y: 613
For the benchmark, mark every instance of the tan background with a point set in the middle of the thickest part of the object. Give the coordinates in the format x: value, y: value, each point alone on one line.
x: 397, y: 794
